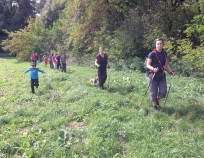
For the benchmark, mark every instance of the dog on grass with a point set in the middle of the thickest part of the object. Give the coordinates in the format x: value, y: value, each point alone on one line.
x: 94, y: 81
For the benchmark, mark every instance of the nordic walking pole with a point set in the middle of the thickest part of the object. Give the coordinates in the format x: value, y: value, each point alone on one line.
x: 109, y: 76
x: 109, y: 80
x: 168, y: 90
x: 147, y: 88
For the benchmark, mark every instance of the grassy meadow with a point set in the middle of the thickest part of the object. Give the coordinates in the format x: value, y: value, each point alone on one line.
x: 68, y: 117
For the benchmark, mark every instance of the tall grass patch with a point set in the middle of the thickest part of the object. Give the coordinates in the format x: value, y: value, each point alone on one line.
x: 68, y: 117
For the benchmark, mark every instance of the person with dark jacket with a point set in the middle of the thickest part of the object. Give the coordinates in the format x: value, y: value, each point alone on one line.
x: 101, y: 62
x: 63, y: 61
x: 50, y: 60
x: 58, y: 57
x: 157, y: 63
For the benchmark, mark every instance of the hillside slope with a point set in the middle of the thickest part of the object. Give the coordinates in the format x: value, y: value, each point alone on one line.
x: 67, y: 117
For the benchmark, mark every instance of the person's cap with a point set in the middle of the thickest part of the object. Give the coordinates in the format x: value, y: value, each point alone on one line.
x: 32, y: 64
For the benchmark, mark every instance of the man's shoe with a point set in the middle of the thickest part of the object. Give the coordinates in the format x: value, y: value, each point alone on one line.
x: 156, y: 107
x: 101, y: 87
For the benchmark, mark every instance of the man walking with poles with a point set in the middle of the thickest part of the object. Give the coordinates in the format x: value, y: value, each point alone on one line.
x: 157, y: 63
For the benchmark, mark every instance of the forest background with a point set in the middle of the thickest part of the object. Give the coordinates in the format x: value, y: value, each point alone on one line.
x: 67, y: 117
x: 126, y: 28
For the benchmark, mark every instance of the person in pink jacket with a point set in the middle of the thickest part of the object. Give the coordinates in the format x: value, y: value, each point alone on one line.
x: 54, y: 61
x: 33, y: 58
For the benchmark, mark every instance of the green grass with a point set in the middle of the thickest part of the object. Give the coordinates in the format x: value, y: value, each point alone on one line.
x: 67, y: 117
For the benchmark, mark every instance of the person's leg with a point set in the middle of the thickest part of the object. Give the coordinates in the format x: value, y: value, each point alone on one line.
x: 104, y: 77
x: 65, y: 67
x: 100, y: 79
x: 50, y: 64
x: 62, y: 67
x: 153, y: 86
x: 32, y: 86
x: 55, y: 65
x: 36, y: 83
x: 45, y: 63
x: 58, y: 66
x: 162, y: 89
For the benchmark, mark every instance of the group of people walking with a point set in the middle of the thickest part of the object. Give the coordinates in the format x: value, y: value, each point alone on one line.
x: 157, y: 64
x: 56, y: 61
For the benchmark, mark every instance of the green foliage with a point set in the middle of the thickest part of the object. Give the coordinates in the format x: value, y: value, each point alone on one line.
x: 51, y: 11
x: 127, y: 30
x: 14, y: 17
x: 196, y: 28
x: 129, y: 64
x: 120, y: 45
x: 150, y: 38
x: 191, y: 62
x: 33, y: 38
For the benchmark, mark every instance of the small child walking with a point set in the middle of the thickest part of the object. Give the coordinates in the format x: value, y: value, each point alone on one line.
x: 34, y: 76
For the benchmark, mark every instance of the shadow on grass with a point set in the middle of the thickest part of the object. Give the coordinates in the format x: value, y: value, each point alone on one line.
x: 123, y: 90
x: 194, y: 112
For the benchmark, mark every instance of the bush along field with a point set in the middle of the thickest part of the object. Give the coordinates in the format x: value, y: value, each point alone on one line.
x: 68, y: 117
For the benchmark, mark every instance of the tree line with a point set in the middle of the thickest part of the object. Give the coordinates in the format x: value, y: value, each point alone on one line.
x: 127, y: 30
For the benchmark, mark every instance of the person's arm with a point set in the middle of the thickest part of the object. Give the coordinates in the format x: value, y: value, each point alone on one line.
x: 42, y: 71
x: 150, y: 67
x: 168, y: 68
x: 26, y: 71
x: 96, y: 63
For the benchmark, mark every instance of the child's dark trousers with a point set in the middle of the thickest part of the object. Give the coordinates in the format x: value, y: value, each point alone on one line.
x: 34, y: 82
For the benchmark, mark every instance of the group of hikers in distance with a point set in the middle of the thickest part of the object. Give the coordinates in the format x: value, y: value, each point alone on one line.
x: 56, y: 60
x: 157, y: 63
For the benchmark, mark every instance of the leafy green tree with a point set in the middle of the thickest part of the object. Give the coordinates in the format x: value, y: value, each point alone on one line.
x: 14, y: 17
x: 127, y: 29
x: 51, y: 11
x: 119, y: 48
x: 190, y: 49
x: 32, y: 38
